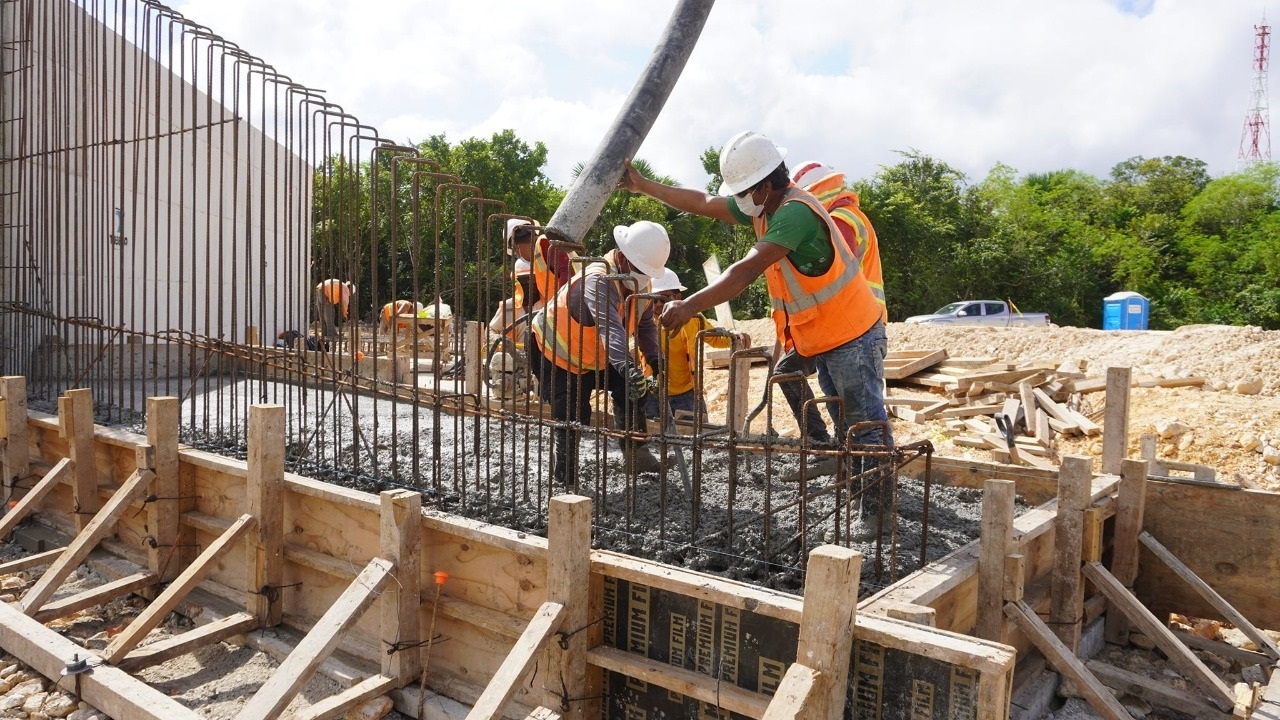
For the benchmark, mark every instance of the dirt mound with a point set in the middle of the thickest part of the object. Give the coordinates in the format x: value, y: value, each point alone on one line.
x: 1229, y: 431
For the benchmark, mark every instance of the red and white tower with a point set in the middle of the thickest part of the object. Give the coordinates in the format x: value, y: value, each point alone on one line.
x: 1255, y: 139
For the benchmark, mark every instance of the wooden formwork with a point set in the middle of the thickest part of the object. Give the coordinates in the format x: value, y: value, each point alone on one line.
x: 508, y: 624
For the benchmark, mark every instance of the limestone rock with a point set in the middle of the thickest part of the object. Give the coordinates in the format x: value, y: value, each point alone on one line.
x: 1271, y: 455
x: 1168, y: 429
x: 34, y: 702
x: 1248, y: 387
x: 59, y: 705
x: 86, y: 713
x: 13, y: 582
x: 1249, y: 442
x: 1140, y: 641
x: 1186, y: 441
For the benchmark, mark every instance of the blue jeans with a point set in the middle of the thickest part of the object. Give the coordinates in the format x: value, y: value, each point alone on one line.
x: 682, y: 401
x: 854, y: 372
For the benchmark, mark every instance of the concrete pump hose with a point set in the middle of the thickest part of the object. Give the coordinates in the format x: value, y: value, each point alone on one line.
x: 582, y: 204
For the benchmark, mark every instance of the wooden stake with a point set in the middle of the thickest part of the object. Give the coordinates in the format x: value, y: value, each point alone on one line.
x: 1178, y: 654
x: 827, y: 625
x: 1066, y: 599
x: 473, y: 360
x: 98, y: 527
x: 1091, y: 537
x: 84, y: 479
x: 168, y: 554
x: 275, y: 694
x: 1131, y: 500
x: 1149, y: 451
x: 1064, y: 660
x: 739, y: 392
x: 568, y: 584
x: 17, y: 454
x: 997, y: 534
x: 251, y: 335
x: 264, y: 495
x: 1115, y: 421
x: 401, y: 543
x: 1015, y: 572
x: 794, y: 698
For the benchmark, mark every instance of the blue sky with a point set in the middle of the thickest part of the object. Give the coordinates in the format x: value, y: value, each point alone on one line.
x: 1039, y: 86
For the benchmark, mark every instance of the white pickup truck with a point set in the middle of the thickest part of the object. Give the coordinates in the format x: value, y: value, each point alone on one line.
x: 989, y: 313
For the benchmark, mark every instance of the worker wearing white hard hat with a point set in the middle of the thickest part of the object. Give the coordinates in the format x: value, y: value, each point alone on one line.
x: 679, y: 349
x: 582, y: 340
x: 821, y: 302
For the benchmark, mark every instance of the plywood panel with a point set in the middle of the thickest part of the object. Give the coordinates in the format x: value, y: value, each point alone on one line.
x: 1235, y: 549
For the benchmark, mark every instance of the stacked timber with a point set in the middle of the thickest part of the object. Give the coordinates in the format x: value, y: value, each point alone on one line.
x: 1014, y: 410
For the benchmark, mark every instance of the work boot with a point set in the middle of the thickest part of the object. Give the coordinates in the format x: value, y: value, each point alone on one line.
x: 564, y: 463
x: 638, y: 456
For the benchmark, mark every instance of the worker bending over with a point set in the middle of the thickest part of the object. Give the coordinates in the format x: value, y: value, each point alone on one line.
x: 827, y: 185
x: 332, y: 301
x: 581, y: 338
x: 821, y: 301
x: 680, y: 350
x: 394, y: 309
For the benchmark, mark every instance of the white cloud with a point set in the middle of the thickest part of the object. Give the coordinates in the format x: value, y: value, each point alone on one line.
x: 1041, y: 86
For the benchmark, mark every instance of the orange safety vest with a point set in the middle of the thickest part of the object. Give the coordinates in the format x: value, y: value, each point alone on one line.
x: 544, y: 275
x: 819, y: 313
x: 399, y: 307
x: 573, y: 346
x: 842, y: 206
x: 336, y: 292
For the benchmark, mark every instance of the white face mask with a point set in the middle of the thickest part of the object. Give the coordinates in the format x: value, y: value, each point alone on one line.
x: 748, y: 206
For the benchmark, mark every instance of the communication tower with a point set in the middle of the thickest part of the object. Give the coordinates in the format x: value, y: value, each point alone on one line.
x: 1255, y: 138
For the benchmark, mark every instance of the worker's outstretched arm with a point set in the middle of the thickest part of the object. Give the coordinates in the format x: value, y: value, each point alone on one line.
x: 726, y: 287
x: 682, y: 199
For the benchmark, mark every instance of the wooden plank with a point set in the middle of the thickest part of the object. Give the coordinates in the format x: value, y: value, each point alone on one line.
x: 994, y: 542
x: 107, y: 688
x: 169, y: 550
x: 400, y: 540
x: 910, y: 402
x: 685, y: 682
x: 102, y: 524
x: 473, y: 353
x: 739, y: 393
x: 276, y: 693
x: 1171, y: 382
x: 1153, y: 691
x: 1149, y: 625
x: 1222, y: 649
x: 100, y: 595
x: 178, y: 645
x: 264, y: 496
x: 1131, y: 499
x: 32, y: 499
x: 918, y: 614
x: 1087, y: 426
x: 724, y: 314
x: 31, y: 561
x: 504, y: 683
x: 1091, y: 537
x: 1115, y: 421
x: 792, y: 700
x: 1211, y: 596
x: 80, y: 445
x: 1000, y: 376
x: 826, y: 629
x: 1055, y: 410
x: 1064, y: 661
x: 167, y: 601
x: 569, y: 585
x: 896, y: 366
x: 1015, y: 572
x: 335, y: 705
x: 498, y: 623
x: 1066, y: 603
x: 968, y: 411
x: 17, y: 453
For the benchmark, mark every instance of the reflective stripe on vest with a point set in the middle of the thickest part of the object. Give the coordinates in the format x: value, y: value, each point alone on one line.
x: 575, y: 347
x: 842, y: 205
x: 848, y: 306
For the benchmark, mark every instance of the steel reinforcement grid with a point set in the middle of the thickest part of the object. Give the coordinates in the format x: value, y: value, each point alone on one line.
x: 171, y: 203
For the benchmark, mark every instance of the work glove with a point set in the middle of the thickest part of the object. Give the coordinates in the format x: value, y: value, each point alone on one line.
x: 637, y: 384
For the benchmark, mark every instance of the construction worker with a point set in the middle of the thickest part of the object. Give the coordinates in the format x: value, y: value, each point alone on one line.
x: 387, y: 316
x: 827, y: 185
x: 679, y: 349
x: 582, y: 335
x: 821, y: 301
x: 332, y: 301
x: 526, y: 296
x: 549, y: 267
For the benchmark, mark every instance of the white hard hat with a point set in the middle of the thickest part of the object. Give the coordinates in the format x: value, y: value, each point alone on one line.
x: 811, y: 172
x: 669, y: 281
x: 646, y: 245
x: 747, y: 159
x: 512, y: 224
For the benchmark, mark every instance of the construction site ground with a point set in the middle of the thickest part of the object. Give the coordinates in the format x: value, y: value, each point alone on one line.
x: 1226, y: 430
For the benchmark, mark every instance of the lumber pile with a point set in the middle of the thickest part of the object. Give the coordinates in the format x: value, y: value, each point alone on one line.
x: 1015, y: 411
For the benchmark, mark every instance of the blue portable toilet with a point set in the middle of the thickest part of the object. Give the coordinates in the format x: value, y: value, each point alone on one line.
x: 1125, y: 311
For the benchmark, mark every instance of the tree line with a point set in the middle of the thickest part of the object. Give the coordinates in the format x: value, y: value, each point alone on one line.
x: 1201, y: 249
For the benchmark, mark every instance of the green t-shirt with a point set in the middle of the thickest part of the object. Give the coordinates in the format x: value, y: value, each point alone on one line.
x: 795, y: 227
